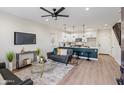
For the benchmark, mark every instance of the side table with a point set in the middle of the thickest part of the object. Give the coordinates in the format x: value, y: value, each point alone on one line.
x: 75, y: 60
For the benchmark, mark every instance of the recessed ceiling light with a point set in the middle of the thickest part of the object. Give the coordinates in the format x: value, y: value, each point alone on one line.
x: 87, y: 8
x: 46, y: 20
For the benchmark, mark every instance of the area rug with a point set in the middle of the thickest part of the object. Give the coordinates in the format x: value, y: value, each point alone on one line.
x: 51, y: 77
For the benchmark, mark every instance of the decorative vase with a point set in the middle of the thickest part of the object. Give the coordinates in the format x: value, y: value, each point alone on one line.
x: 42, y: 66
x: 10, y: 66
x: 41, y: 60
x: 38, y: 59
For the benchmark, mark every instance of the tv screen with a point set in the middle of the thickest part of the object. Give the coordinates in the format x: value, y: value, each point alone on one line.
x: 24, y: 38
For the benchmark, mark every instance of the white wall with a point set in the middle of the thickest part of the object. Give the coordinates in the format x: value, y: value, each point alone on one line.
x: 10, y: 24
x: 116, y: 50
x: 104, y: 41
x: 108, y: 44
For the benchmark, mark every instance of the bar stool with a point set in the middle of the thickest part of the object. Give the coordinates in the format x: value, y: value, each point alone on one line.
x: 88, y: 55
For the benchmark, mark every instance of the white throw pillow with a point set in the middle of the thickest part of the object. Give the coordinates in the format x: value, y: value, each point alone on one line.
x: 63, y: 52
x: 1, y: 77
x: 2, y: 81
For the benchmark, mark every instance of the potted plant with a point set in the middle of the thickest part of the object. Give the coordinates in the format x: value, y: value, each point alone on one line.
x: 10, y: 56
x: 38, y: 54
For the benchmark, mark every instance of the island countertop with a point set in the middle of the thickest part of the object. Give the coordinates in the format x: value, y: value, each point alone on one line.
x: 86, y: 47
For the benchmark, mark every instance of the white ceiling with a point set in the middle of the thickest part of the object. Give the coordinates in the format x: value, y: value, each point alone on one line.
x: 96, y: 17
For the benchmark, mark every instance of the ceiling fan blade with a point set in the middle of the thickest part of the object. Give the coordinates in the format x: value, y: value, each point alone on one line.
x: 60, y: 10
x: 46, y: 15
x: 63, y: 15
x: 46, y: 10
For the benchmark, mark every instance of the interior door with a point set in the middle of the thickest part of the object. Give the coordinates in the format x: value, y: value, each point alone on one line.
x: 104, y: 42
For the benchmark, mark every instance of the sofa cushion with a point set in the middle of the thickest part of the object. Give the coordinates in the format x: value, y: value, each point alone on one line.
x: 58, y: 57
x: 2, y: 65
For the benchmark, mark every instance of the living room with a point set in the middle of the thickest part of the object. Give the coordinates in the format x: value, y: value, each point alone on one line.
x: 50, y: 33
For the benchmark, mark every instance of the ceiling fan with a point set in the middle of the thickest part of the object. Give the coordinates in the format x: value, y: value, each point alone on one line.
x: 55, y: 13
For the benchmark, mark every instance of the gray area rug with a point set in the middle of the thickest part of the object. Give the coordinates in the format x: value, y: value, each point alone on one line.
x: 51, y: 77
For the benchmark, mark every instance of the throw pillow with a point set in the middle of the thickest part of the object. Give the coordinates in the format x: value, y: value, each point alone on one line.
x: 63, y: 52
x: 58, y: 51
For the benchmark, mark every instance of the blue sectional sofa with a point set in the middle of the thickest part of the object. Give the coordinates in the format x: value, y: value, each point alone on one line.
x: 60, y: 58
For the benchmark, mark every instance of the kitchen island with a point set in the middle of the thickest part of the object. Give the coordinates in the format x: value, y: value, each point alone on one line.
x: 84, y: 52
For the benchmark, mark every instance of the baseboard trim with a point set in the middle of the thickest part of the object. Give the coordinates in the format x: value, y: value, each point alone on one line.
x: 103, y: 54
x: 115, y: 60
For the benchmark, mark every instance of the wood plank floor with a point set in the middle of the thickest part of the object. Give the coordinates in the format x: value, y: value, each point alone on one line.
x: 101, y: 72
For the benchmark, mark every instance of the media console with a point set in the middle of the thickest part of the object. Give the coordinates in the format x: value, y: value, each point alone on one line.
x: 18, y: 64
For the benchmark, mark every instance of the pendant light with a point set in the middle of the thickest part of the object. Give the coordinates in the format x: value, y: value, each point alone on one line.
x: 73, y: 31
x: 83, y: 32
x: 65, y: 30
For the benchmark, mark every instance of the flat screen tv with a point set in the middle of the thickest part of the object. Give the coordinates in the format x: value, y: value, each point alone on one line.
x: 24, y: 38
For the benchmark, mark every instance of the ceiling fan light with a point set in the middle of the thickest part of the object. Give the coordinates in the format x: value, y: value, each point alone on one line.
x: 55, y: 13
